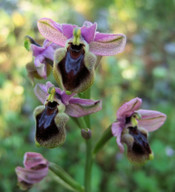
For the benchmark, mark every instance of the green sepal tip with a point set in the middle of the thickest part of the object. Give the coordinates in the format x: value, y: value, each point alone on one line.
x: 68, y: 92
x: 37, y: 144
x: 27, y: 44
x: 151, y: 156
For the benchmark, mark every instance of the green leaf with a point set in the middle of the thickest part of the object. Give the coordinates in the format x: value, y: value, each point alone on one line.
x: 63, y: 178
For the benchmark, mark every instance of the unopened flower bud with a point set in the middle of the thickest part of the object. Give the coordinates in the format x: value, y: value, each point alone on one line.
x: 86, y: 133
x: 34, y: 170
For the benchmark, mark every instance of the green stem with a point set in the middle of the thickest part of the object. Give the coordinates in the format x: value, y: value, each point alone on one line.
x: 102, y: 141
x: 86, y: 95
x: 82, y: 122
x: 75, y: 120
x: 65, y: 179
x: 88, y: 163
x: 85, y: 123
x: 88, y: 166
x: 87, y: 117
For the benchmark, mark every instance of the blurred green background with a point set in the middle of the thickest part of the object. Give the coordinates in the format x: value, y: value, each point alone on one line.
x: 145, y: 69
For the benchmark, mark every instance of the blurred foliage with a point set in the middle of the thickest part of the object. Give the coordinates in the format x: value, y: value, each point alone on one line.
x: 145, y: 69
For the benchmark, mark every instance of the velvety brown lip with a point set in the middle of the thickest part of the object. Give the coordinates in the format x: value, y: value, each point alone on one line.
x: 72, y: 67
x: 46, y: 127
x: 140, y: 145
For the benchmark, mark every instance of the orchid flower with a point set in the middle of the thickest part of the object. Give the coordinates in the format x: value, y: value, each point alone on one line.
x: 35, y: 169
x: 43, y: 59
x: 74, y: 64
x: 132, y: 127
x: 52, y: 117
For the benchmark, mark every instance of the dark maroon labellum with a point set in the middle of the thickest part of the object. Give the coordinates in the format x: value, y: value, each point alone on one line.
x: 72, y: 67
x: 46, y: 127
x: 140, y: 145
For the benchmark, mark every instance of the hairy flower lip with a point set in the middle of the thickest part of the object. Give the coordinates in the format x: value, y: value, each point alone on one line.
x: 140, y: 145
x: 52, y: 105
x: 72, y: 69
x: 50, y: 112
x: 50, y: 124
x: 76, y: 47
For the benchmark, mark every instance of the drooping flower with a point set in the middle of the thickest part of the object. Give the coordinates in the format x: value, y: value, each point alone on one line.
x: 43, y: 59
x: 52, y: 117
x: 74, y: 64
x: 132, y: 127
x: 35, y: 169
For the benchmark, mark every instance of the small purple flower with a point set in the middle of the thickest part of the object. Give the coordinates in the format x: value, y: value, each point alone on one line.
x: 43, y: 59
x: 74, y: 64
x: 35, y: 169
x: 52, y: 117
x: 132, y: 127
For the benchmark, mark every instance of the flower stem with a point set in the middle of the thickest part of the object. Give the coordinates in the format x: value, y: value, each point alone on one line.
x: 82, y: 123
x: 88, y: 166
x: 102, y: 141
x: 87, y: 117
x: 86, y: 95
x: 88, y: 163
x: 63, y: 178
x: 86, y: 123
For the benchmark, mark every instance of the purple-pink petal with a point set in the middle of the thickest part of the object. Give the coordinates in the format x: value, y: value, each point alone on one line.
x: 84, y: 102
x: 107, y: 44
x: 46, y: 51
x: 66, y: 98
x: 68, y: 30
x: 87, y: 24
x: 36, y: 50
x: 46, y: 43
x: 105, y: 37
x: 31, y: 176
x: 51, y: 31
x: 33, y: 160
x: 49, y: 52
x: 82, y: 107
x: 48, y: 85
x: 128, y: 108
x: 88, y: 32
x: 41, y: 70
x: 58, y: 90
x: 117, y: 129
x: 151, y: 120
x: 38, y: 60
x: 41, y: 91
